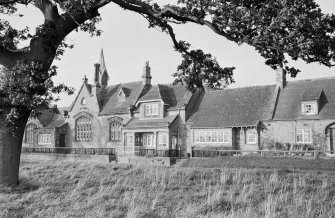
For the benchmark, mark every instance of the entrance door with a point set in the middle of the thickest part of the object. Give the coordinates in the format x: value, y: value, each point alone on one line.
x: 62, y: 140
x: 332, y: 139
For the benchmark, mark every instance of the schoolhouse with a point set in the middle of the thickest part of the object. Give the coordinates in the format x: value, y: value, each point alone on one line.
x: 129, y: 116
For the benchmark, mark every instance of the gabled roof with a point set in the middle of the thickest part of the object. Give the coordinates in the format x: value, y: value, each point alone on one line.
x: 110, y: 103
x: 136, y: 122
x: 237, y: 107
x: 175, y: 96
x: 289, y: 102
x: 51, y: 119
x: 89, y: 89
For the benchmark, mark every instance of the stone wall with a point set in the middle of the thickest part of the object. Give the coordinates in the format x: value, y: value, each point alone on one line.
x: 285, y: 132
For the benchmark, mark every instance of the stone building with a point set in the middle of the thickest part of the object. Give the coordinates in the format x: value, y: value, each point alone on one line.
x: 48, y: 130
x: 135, y: 115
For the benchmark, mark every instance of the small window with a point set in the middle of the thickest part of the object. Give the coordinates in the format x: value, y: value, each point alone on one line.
x: 151, y: 109
x: 251, y: 136
x: 304, y: 136
x: 309, y: 108
x: 115, y: 131
x: 83, y: 101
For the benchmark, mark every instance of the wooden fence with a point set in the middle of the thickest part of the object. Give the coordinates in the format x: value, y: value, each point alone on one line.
x: 82, y: 151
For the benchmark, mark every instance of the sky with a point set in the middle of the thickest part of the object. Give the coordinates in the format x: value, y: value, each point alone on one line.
x: 127, y: 43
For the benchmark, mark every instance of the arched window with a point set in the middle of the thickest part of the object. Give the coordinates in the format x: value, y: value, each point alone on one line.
x: 84, y: 129
x: 30, y: 133
x: 115, y: 131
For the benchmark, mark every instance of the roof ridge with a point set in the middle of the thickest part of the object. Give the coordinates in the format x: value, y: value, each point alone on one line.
x: 244, y: 87
x: 312, y: 79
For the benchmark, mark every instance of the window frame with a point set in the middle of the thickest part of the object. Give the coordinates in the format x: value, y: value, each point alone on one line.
x: 84, y: 129
x: 30, y: 133
x: 115, y: 134
x: 162, y: 137
x: 212, y: 136
x: 313, y: 110
x: 151, y: 109
x: 44, y: 138
x: 149, y: 137
x: 304, y: 135
x: 251, y: 134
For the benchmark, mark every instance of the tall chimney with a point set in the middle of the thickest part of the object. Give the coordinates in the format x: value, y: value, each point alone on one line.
x: 146, y: 77
x: 281, y: 77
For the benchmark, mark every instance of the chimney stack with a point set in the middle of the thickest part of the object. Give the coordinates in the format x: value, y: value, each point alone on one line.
x: 146, y: 77
x: 281, y: 77
x: 85, y: 79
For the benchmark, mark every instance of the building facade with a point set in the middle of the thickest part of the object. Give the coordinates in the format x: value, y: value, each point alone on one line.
x: 135, y: 115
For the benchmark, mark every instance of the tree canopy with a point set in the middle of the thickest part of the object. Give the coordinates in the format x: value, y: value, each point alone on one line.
x: 276, y: 29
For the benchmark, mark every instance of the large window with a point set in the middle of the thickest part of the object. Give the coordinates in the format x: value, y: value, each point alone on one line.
x: 115, y: 131
x: 309, y: 108
x: 151, y: 109
x: 44, y: 139
x: 251, y: 136
x: 84, y: 129
x: 304, y: 136
x: 149, y: 140
x: 30, y: 133
x: 215, y: 136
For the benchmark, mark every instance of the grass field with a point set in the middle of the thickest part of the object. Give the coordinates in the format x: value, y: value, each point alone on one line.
x: 104, y: 190
x: 278, y: 163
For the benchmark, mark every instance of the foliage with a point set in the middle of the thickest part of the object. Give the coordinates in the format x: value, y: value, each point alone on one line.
x: 27, y: 87
x: 104, y: 190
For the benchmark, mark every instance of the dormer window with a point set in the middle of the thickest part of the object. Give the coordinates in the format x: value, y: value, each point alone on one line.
x: 121, y: 96
x: 309, y: 108
x: 310, y: 101
x: 151, y: 109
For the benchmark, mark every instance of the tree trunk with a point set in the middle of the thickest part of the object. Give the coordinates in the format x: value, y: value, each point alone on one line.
x: 10, y: 151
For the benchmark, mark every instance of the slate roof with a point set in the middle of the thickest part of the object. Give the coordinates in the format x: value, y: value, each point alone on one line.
x: 289, y: 102
x: 50, y: 119
x: 136, y: 122
x: 175, y: 96
x: 233, y: 107
x: 109, y: 101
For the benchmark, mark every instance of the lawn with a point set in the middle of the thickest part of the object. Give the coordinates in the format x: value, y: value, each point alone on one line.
x: 80, y: 189
x: 251, y: 162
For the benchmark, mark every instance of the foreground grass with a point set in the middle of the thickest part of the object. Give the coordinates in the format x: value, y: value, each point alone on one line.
x: 251, y: 162
x: 104, y: 190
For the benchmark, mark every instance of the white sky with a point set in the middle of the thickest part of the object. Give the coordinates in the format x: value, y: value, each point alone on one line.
x: 128, y: 43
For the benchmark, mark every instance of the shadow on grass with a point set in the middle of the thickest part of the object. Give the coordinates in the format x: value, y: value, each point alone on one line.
x: 24, y: 186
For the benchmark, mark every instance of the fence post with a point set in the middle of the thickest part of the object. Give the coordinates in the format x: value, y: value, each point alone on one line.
x: 314, y: 154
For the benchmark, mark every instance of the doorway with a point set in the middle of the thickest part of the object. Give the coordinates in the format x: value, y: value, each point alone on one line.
x: 61, y: 140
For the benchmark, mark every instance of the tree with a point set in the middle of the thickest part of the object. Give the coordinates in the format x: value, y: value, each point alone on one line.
x: 277, y: 29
